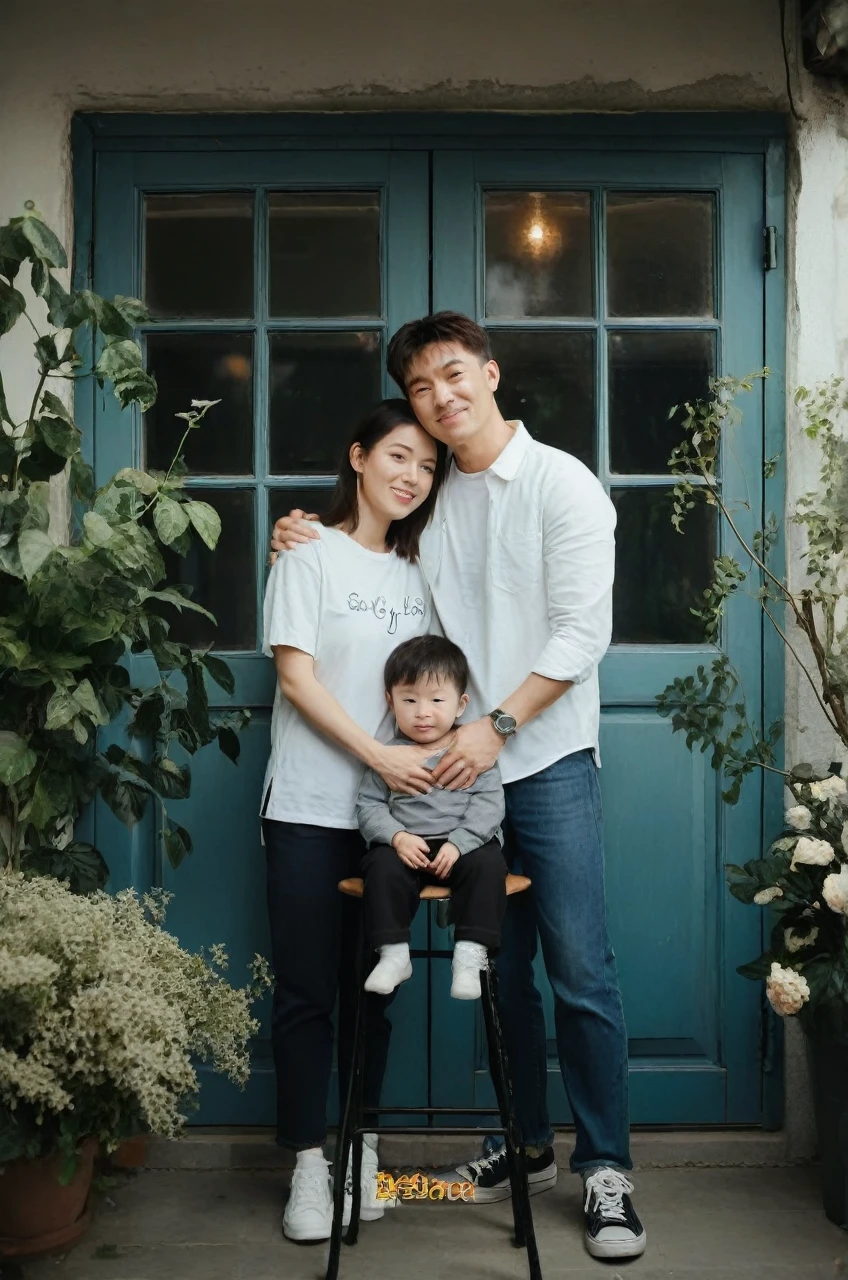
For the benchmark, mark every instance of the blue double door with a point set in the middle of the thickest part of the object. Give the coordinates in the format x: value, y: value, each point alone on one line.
x: 613, y: 284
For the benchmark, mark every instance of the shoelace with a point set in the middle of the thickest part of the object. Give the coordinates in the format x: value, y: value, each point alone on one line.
x: 309, y: 1187
x: 486, y: 1163
x: 608, y: 1186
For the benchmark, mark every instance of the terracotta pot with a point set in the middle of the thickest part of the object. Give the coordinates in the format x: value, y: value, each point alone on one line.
x: 38, y: 1214
x: 131, y: 1154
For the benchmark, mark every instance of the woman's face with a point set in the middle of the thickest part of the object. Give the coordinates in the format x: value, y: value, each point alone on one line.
x: 396, y: 476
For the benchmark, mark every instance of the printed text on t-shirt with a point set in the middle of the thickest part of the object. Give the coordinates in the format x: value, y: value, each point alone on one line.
x: 413, y: 607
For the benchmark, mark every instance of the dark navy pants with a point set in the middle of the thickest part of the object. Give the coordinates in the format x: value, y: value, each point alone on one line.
x: 314, y: 937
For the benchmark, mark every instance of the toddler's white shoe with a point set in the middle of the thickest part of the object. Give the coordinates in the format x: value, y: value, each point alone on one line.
x: 468, y: 959
x: 309, y: 1210
x: 393, y: 968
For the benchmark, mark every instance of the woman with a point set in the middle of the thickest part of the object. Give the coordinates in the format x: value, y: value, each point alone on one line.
x: 334, y: 611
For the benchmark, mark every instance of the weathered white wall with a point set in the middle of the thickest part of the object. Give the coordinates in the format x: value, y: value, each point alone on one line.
x: 551, y: 55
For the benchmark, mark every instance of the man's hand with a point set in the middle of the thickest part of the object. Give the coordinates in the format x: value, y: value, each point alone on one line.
x: 444, y: 860
x: 290, y: 530
x: 412, y: 850
x: 475, y: 749
x: 402, y: 769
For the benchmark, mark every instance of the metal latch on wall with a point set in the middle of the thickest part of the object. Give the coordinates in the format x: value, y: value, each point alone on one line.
x: 769, y: 248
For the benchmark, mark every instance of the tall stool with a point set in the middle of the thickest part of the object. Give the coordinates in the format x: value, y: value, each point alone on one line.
x: 353, y: 1126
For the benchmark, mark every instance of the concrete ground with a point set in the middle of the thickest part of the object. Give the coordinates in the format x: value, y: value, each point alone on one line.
x: 702, y: 1224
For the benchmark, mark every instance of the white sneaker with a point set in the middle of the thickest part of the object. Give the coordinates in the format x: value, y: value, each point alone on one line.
x: 309, y: 1210
x: 370, y: 1208
x: 468, y: 959
x: 393, y: 968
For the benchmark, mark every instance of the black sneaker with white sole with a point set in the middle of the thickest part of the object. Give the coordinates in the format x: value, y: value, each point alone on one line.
x: 612, y: 1227
x: 490, y: 1175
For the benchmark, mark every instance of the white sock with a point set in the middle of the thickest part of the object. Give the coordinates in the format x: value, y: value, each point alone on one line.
x: 471, y: 953
x: 396, y: 953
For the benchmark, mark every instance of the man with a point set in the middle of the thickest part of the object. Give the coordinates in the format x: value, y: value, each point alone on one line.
x: 519, y: 556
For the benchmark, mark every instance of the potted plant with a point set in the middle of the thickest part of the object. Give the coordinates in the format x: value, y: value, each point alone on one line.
x: 102, y: 1017
x: 73, y: 608
x: 803, y: 876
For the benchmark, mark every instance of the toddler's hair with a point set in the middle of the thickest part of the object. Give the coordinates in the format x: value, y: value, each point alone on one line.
x: 424, y: 658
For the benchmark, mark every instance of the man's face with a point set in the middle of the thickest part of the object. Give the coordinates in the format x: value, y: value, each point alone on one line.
x: 452, y: 393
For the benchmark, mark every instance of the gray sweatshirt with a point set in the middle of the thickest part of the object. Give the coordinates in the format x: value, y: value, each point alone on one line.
x: 468, y: 819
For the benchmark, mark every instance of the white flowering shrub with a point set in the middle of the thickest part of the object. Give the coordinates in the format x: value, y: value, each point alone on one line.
x: 804, y: 876
x: 804, y: 879
x: 102, y: 1015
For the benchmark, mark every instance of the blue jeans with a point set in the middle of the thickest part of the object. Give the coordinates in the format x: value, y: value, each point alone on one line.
x: 554, y: 834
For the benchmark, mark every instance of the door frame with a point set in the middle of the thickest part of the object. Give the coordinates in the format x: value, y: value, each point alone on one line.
x: 750, y: 133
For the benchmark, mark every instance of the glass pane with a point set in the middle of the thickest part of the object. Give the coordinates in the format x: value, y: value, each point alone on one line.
x: 648, y: 373
x: 325, y: 253
x: 548, y: 381
x: 282, y: 501
x: 223, y: 580
x: 321, y: 384
x: 659, y: 574
x: 198, y: 255
x: 538, y: 254
x: 660, y: 254
x: 202, y: 366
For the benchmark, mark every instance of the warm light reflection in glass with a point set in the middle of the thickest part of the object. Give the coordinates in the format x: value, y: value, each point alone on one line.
x: 542, y: 238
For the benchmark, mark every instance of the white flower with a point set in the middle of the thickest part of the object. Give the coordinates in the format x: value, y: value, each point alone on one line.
x: 829, y: 788
x: 810, y: 852
x: 795, y: 940
x: 787, y: 990
x: 845, y: 836
x: 799, y: 817
x: 765, y: 896
x: 835, y: 891
x: 104, y: 1013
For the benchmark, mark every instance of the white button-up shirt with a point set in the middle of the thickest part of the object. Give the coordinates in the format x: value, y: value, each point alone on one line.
x: 545, y: 599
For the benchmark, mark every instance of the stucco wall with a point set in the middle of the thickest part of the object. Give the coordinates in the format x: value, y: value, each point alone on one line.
x: 589, y: 55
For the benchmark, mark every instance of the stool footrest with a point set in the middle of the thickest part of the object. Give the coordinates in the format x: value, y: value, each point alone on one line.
x: 433, y: 1111
x: 444, y: 1130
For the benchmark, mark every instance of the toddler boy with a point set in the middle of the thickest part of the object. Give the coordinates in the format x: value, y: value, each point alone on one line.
x: 452, y: 837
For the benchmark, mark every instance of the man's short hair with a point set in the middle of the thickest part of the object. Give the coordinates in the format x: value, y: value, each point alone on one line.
x: 427, y: 658
x: 445, y: 326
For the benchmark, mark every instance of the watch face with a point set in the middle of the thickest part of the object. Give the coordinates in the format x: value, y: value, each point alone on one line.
x: 505, y: 723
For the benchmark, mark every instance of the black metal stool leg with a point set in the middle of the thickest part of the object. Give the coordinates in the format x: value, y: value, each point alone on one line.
x: 357, y: 1094
x: 352, y: 1233
x: 499, y: 1067
x: 352, y: 1117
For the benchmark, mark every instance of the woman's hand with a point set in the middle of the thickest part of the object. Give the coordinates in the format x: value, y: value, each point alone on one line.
x: 402, y: 769
x: 412, y: 850
x: 290, y: 530
x: 444, y: 860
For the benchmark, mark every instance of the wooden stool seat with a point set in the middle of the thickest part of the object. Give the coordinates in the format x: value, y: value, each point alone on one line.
x: 432, y: 892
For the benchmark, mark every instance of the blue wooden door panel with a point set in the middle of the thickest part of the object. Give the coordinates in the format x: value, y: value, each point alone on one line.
x: 693, y: 1023
x: 219, y: 893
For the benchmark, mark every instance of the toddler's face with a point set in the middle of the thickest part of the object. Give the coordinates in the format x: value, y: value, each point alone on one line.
x: 426, y: 710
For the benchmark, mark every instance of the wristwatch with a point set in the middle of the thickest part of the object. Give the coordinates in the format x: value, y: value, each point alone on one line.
x: 505, y: 724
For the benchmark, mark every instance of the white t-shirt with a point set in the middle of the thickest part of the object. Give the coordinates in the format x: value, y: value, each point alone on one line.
x: 349, y: 608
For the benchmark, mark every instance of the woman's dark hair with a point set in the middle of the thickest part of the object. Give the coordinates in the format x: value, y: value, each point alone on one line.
x: 402, y: 535
x: 426, y: 657
x: 445, y: 326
